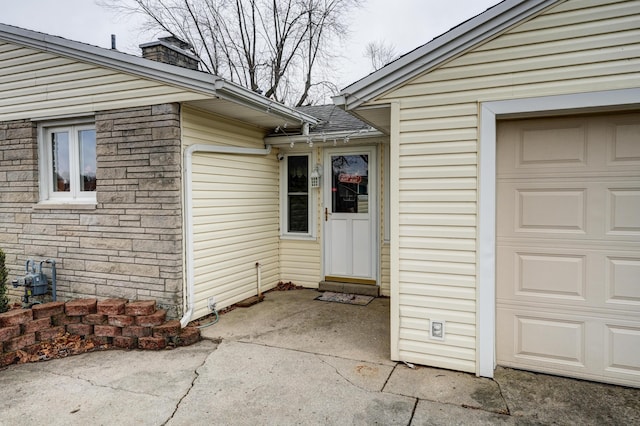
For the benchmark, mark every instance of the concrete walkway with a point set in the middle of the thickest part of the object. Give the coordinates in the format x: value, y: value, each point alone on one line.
x: 294, y: 360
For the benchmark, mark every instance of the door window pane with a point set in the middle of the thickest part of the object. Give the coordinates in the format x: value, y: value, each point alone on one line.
x: 350, y: 181
x: 298, y: 193
x: 60, y: 167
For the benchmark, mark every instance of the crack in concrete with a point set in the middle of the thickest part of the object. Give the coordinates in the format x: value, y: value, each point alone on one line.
x: 389, y: 378
x: 413, y: 412
x: 342, y: 375
x: 196, y: 375
x: 98, y: 385
x: 311, y: 353
x: 506, y: 404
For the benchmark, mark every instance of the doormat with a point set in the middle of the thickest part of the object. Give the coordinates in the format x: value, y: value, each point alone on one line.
x: 351, y: 299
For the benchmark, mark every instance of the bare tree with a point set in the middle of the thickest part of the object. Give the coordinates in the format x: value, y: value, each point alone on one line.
x: 380, y: 53
x: 279, y: 47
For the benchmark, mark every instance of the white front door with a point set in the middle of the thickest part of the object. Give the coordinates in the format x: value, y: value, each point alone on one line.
x: 349, y: 215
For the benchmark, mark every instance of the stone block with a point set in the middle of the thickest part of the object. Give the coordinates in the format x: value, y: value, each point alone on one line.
x: 107, y: 330
x: 15, y: 317
x: 136, y: 331
x: 99, y: 219
x: 100, y: 340
x: 158, y: 133
x: 152, y: 343
x: 21, y: 133
x: 36, y: 325
x: 111, y: 306
x: 7, y: 359
x: 116, y: 197
x: 156, y: 318
x: 95, y: 319
x: 129, y: 269
x: 168, y: 329
x: 121, y: 320
x: 140, y: 307
x: 164, y: 222
x: 63, y: 319
x: 47, y: 309
x: 7, y: 333
x: 80, y: 307
x: 188, y: 336
x: 162, y: 109
x: 50, y: 333
x: 125, y: 342
x: 19, y: 342
x: 80, y: 329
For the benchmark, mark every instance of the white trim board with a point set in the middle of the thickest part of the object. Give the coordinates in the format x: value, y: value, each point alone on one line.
x: 489, y: 113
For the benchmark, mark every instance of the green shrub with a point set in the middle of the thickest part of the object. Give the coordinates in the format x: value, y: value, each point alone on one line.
x: 4, y: 300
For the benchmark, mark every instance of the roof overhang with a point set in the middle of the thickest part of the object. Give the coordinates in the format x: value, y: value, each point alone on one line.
x: 225, y: 98
x: 461, y: 38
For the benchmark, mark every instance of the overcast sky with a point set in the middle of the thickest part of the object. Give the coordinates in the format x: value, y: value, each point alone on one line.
x: 406, y: 24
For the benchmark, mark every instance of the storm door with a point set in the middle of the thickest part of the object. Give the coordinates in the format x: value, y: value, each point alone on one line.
x: 349, y: 214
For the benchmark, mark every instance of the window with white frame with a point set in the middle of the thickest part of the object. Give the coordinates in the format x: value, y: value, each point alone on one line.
x: 68, y: 162
x: 296, y: 196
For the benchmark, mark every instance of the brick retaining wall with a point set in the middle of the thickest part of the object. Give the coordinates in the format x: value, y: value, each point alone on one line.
x: 114, y: 322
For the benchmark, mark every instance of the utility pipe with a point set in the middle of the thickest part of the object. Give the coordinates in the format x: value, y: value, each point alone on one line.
x: 53, y: 278
x: 188, y: 206
x: 259, y: 278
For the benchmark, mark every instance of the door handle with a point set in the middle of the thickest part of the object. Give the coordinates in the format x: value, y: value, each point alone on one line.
x: 326, y: 214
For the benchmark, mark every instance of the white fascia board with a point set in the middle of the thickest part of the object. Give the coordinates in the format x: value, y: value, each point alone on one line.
x: 471, y: 33
x: 192, y: 80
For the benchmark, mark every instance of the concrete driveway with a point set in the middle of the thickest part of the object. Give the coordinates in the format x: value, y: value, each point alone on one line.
x: 294, y: 360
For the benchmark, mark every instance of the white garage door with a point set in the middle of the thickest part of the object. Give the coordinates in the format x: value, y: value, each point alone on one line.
x: 568, y: 246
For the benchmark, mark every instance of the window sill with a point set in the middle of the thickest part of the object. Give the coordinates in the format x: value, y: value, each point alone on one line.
x: 70, y: 205
x: 298, y: 237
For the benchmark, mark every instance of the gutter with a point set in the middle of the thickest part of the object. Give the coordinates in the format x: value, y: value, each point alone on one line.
x: 188, y: 220
x: 230, y: 91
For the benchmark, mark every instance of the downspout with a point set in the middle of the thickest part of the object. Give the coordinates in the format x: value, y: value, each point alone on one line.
x: 188, y: 206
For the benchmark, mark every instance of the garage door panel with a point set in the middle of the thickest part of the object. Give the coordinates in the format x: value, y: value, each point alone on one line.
x: 623, y: 208
x: 554, y: 275
x: 541, y: 338
x: 624, y: 148
x: 568, y: 246
x: 551, y: 210
x: 537, y: 145
x: 600, y: 208
x: 621, y: 358
x: 550, y: 340
x: 623, y: 281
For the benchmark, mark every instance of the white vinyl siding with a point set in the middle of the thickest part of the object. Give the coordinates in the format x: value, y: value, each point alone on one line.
x: 385, y: 270
x: 36, y: 84
x: 575, y: 47
x: 300, y: 262
x: 235, y: 212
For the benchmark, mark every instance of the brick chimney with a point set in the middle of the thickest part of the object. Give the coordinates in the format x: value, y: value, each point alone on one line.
x: 171, y: 50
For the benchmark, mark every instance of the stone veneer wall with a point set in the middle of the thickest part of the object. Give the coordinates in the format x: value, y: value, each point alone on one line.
x: 130, y: 244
